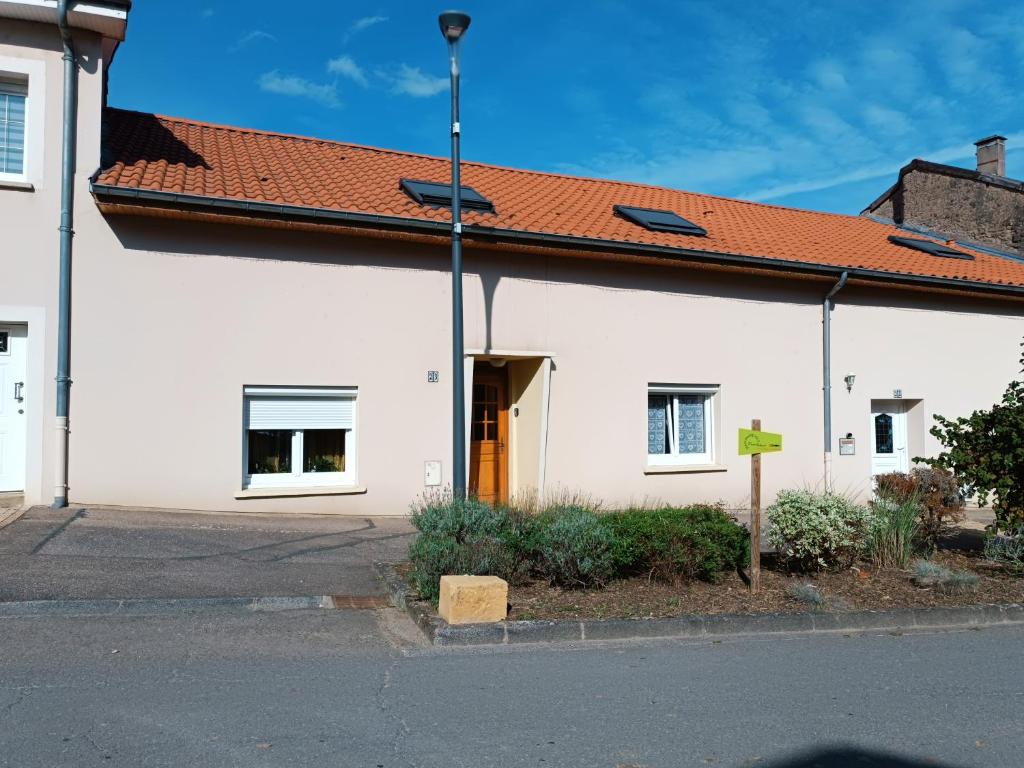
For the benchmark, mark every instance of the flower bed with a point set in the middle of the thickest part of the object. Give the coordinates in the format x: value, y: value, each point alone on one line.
x: 571, y: 560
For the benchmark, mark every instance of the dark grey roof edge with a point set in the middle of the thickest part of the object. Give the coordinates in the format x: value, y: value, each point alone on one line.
x: 186, y: 202
x: 988, y: 249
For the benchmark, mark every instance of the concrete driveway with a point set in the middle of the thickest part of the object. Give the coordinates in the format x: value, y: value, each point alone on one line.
x: 97, y: 553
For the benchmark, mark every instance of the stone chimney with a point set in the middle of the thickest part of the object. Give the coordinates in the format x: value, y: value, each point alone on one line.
x: 992, y: 155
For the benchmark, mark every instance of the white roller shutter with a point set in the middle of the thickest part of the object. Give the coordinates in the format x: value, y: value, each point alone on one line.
x: 290, y: 412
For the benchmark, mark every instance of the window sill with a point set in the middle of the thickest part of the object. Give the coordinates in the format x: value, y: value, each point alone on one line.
x: 683, y: 468
x: 23, y: 186
x: 273, y: 493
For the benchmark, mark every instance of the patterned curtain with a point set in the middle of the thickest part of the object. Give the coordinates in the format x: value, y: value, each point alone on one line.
x: 691, y: 423
x: 657, y: 424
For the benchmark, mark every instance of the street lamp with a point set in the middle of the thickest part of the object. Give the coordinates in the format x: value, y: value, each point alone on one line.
x: 453, y: 26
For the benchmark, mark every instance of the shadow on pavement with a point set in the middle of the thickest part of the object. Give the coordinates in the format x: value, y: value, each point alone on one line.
x: 854, y: 757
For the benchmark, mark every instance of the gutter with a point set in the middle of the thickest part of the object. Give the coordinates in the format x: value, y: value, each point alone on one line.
x: 826, y: 361
x: 67, y: 205
x: 199, y: 203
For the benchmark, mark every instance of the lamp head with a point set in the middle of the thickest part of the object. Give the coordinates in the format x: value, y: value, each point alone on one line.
x: 453, y: 25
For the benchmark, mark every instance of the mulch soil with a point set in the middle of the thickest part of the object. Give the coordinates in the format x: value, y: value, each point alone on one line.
x: 859, y: 588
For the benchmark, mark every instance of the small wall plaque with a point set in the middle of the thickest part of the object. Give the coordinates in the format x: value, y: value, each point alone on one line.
x: 847, y: 446
x: 897, y: 394
x: 433, y: 377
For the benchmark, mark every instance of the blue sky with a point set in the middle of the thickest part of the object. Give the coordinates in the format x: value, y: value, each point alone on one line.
x: 810, y: 104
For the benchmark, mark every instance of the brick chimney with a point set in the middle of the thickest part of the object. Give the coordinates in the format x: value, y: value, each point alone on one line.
x: 992, y: 155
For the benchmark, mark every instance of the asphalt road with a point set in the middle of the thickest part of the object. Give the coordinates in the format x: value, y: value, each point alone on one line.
x: 356, y: 688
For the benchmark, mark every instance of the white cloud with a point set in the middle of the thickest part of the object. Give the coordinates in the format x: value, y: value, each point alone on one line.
x: 411, y: 81
x: 289, y: 85
x: 872, y: 171
x: 346, y: 67
x: 362, y: 24
x: 887, y: 120
x: 251, y: 37
x: 366, y: 22
x: 828, y: 74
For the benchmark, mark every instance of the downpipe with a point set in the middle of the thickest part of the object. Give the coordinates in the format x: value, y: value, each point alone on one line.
x: 826, y: 356
x: 67, y: 202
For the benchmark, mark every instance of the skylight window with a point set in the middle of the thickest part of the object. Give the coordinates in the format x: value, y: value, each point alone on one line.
x: 659, y: 221
x: 930, y: 246
x: 434, y: 193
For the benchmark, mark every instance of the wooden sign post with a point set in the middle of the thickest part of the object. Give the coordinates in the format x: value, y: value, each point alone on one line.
x: 755, y: 515
x: 755, y: 442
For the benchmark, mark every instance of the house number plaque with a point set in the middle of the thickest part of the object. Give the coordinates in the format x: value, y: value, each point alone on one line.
x: 433, y: 377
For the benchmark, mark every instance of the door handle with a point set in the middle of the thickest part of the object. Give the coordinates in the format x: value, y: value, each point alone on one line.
x: 18, y: 387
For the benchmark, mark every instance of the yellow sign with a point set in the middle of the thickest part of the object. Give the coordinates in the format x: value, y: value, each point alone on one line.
x: 759, y: 442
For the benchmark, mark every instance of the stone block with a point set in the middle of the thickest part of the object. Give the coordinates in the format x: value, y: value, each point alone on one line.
x: 473, y: 599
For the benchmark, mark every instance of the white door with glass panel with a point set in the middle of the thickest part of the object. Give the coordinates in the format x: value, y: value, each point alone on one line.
x: 889, y: 451
x: 13, y: 347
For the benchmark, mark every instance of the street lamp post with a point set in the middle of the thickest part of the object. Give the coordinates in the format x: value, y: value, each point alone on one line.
x: 453, y: 26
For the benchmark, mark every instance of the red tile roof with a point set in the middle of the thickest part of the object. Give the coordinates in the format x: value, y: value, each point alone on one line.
x: 172, y: 155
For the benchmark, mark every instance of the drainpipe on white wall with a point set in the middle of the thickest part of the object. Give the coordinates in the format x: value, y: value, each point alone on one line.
x: 67, y: 202
x: 826, y: 356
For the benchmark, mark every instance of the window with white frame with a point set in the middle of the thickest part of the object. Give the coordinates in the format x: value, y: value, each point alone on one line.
x: 680, y: 425
x: 299, y: 437
x: 13, y: 95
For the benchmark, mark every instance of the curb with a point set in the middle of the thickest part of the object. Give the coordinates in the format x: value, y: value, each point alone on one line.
x: 159, y: 607
x: 440, y: 633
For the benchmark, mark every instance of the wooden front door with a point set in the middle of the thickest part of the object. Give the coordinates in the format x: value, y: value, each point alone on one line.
x: 488, y: 437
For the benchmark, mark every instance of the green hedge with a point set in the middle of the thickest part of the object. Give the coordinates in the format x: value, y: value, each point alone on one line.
x: 571, y: 544
x: 698, y: 542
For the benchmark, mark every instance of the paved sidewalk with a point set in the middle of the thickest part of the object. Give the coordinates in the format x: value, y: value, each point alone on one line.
x: 95, y: 553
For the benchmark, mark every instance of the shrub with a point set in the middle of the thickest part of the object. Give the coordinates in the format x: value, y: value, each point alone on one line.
x: 896, y: 486
x: 572, y: 548
x: 806, y: 593
x: 814, y: 531
x: 699, y: 542
x: 937, y: 493
x: 466, y: 536
x: 942, y: 579
x: 894, y: 528
x: 985, y: 450
x: 1007, y: 549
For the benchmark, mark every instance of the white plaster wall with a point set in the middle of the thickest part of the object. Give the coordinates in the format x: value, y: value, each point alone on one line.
x: 952, y: 355
x: 174, y: 318
x: 30, y: 256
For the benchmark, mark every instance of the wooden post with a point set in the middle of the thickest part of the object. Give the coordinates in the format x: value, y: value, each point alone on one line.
x: 755, y: 516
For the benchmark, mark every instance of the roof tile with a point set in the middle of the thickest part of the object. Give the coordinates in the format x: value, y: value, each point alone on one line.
x: 177, y: 155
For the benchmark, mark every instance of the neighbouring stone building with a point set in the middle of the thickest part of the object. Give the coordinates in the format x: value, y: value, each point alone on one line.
x: 980, y: 207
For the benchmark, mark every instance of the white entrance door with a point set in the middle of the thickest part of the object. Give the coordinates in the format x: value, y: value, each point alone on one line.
x: 13, y: 349
x: 889, y: 437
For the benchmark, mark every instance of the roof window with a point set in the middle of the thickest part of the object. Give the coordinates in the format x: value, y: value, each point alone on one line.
x: 659, y: 221
x: 930, y: 246
x: 435, y: 193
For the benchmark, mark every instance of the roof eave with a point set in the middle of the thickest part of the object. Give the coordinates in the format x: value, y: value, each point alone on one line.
x: 143, y: 198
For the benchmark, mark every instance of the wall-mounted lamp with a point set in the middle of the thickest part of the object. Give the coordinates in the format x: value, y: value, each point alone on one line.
x: 498, y: 362
x: 849, y: 379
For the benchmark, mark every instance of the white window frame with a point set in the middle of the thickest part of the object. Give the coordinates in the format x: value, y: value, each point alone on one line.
x: 297, y: 478
x: 676, y: 459
x: 18, y: 85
